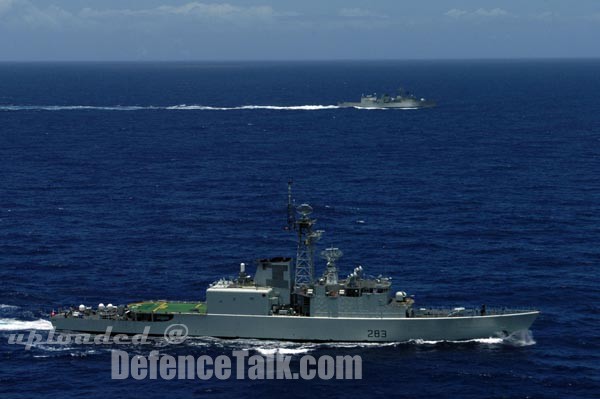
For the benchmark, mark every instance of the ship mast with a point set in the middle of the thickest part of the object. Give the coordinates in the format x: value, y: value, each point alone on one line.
x: 305, y: 254
x: 291, y: 217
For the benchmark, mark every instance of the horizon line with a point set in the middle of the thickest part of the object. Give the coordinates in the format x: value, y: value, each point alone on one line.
x: 553, y: 58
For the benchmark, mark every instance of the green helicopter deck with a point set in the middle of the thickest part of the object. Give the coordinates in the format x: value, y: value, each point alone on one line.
x: 168, y: 307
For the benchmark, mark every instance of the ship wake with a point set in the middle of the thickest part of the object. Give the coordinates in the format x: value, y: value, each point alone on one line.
x: 13, y: 318
x: 268, y: 347
x: 250, y: 107
x: 18, y: 325
x: 518, y: 338
x: 181, y: 107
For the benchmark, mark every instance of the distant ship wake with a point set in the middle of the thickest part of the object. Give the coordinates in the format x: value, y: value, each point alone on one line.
x: 181, y: 107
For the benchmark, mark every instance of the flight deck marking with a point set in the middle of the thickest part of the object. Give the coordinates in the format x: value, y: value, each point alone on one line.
x: 161, y: 307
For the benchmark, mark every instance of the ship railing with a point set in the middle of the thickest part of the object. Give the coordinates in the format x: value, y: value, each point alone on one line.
x: 466, y: 311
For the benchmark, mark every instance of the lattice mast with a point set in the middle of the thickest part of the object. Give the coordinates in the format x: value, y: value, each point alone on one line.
x: 307, y: 237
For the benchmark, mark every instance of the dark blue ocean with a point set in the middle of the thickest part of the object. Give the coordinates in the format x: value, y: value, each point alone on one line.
x: 129, y: 181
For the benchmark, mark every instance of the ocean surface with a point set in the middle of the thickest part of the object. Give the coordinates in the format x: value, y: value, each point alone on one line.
x: 129, y: 181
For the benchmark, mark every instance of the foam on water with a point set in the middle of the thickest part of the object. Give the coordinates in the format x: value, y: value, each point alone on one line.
x: 518, y: 338
x: 16, y: 325
x: 491, y: 341
x: 183, y: 107
x: 282, y: 351
x: 249, y: 107
x: 73, y: 107
x: 173, y: 107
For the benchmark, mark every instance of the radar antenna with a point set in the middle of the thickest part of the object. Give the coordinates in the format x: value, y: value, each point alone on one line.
x: 331, y: 255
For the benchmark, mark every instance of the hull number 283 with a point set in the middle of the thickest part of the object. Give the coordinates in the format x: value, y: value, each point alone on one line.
x: 376, y: 333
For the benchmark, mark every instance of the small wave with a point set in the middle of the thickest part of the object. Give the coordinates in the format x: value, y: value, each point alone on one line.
x: 55, y: 347
x: 16, y: 325
x: 8, y: 307
x: 264, y: 347
x: 66, y: 352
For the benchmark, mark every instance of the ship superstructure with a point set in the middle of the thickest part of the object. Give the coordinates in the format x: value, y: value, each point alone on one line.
x: 402, y: 100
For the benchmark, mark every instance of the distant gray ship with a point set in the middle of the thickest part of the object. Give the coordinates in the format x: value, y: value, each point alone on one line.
x: 402, y: 100
x: 285, y: 301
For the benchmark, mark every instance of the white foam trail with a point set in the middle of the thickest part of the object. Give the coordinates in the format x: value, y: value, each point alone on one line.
x: 242, y: 107
x: 8, y: 307
x: 183, y: 107
x: 72, y: 107
x: 282, y: 351
x: 291, y: 108
x: 490, y: 341
x: 16, y: 325
x: 265, y: 347
x: 268, y: 347
x: 520, y: 338
x: 197, y: 107
x: 54, y: 348
x: 172, y: 108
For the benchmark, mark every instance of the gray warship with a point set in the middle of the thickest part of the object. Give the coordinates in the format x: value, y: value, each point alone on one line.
x: 284, y: 300
x: 402, y: 100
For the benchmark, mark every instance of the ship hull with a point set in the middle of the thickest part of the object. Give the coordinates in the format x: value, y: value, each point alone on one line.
x: 398, y: 105
x: 295, y: 328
